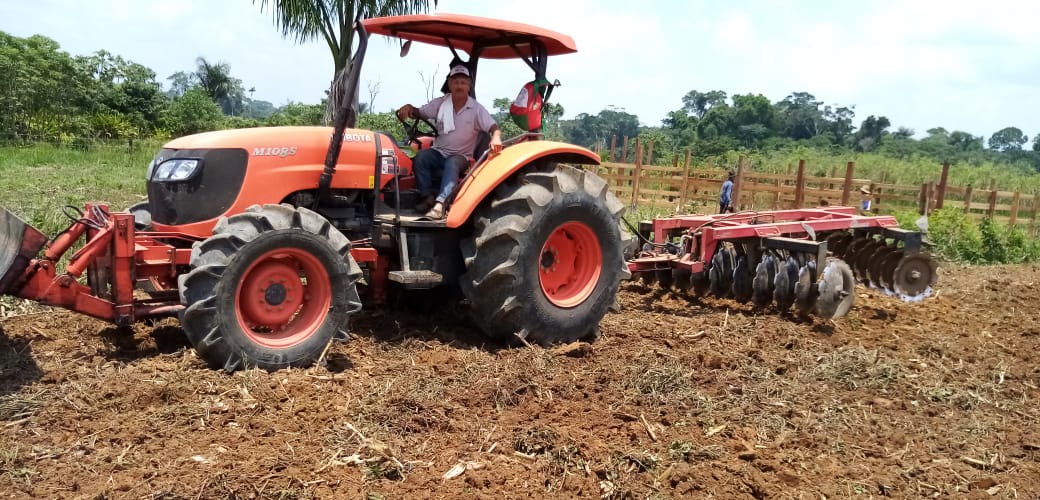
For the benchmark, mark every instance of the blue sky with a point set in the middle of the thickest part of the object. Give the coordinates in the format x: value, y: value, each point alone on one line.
x: 971, y: 66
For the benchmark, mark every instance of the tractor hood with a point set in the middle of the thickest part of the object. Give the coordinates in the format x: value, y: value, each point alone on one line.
x: 497, y: 39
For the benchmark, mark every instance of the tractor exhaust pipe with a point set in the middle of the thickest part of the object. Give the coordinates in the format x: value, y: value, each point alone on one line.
x: 19, y: 245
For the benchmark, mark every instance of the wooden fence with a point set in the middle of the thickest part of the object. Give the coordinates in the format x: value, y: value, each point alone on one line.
x: 683, y: 187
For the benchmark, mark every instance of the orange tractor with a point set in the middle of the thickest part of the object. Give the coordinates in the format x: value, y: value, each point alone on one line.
x: 264, y: 242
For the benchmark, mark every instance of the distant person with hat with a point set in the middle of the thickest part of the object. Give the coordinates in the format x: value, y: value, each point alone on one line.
x: 865, y: 199
x: 459, y: 119
x: 726, y: 195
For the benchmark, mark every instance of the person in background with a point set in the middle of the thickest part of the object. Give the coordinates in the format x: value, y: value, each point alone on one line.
x: 726, y: 195
x: 865, y: 200
x: 459, y: 119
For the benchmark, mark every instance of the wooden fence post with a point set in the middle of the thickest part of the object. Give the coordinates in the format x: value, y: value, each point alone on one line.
x: 799, y: 188
x: 967, y: 199
x: 992, y: 198
x: 650, y: 153
x: 1032, y: 217
x: 1014, y: 209
x: 638, y: 172
x: 685, y: 179
x: 846, y: 189
x: 613, y: 148
x: 940, y: 196
x: 834, y: 173
x: 922, y: 200
x: 779, y: 194
x: 738, y: 183
x: 624, y: 150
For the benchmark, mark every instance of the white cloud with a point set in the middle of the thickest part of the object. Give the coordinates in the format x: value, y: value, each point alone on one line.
x: 963, y: 65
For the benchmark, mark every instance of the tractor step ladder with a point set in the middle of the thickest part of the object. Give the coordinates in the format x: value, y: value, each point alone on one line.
x: 413, y: 279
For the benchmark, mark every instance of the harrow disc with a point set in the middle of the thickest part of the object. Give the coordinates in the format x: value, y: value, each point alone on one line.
x: 681, y: 280
x: 888, y: 270
x: 648, y: 278
x: 876, y: 261
x: 854, y: 249
x: 862, y: 262
x: 836, y: 290
x: 743, y: 279
x: 721, y: 272
x: 786, y: 277
x: 915, y: 275
x: 805, y: 291
x: 699, y: 284
x: 838, y: 242
x: 664, y: 279
x: 762, y: 285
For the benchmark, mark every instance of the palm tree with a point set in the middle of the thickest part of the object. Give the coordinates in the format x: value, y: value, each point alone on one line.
x: 330, y: 21
x: 217, y: 81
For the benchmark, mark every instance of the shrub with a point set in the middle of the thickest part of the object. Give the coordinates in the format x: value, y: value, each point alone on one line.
x: 958, y: 238
x: 192, y: 113
x: 112, y: 126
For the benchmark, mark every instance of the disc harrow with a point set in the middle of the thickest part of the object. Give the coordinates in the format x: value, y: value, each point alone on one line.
x: 809, y: 260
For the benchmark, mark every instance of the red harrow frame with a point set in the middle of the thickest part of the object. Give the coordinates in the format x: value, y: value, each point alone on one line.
x: 808, y: 258
x: 131, y: 275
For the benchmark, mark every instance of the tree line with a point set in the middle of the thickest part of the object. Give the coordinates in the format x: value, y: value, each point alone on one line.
x: 48, y: 94
x: 713, y: 123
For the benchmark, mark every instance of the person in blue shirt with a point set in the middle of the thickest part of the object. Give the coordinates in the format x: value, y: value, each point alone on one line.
x: 865, y: 200
x: 726, y: 195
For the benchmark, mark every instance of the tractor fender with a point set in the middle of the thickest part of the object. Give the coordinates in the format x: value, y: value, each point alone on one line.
x: 488, y: 175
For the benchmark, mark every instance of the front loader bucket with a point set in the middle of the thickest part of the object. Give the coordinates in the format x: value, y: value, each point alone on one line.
x: 19, y: 244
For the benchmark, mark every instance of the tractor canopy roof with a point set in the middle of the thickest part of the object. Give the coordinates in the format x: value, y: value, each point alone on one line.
x: 480, y: 36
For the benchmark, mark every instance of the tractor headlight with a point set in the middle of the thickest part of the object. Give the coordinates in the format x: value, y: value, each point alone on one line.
x: 151, y: 166
x: 176, y: 169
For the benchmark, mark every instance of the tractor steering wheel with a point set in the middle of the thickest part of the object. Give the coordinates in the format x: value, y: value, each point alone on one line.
x: 415, y: 130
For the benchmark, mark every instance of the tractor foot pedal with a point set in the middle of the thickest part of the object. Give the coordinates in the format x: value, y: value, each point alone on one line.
x: 416, y: 280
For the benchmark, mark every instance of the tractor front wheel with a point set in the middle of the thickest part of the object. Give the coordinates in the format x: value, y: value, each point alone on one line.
x: 271, y: 288
x: 545, y: 260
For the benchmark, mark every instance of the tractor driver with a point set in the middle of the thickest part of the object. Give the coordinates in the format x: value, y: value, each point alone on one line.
x: 459, y: 119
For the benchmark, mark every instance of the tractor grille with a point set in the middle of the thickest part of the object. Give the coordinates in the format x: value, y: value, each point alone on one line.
x: 206, y: 195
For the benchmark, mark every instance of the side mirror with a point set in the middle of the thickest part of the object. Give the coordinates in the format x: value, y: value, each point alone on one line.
x: 405, y: 47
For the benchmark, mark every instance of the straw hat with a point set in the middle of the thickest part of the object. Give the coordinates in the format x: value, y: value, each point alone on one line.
x: 865, y: 189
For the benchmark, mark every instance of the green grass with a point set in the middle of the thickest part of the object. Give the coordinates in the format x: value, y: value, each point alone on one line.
x: 38, y: 180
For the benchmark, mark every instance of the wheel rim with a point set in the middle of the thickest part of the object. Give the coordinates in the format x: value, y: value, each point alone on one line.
x: 283, y: 298
x: 569, y: 264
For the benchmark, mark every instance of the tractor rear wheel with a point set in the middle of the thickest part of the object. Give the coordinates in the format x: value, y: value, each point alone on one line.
x: 546, y: 257
x: 270, y: 288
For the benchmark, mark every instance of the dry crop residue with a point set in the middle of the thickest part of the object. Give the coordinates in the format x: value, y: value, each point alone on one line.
x: 677, y: 398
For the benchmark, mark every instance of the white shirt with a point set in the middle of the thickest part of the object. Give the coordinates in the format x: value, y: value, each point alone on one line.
x: 469, y: 120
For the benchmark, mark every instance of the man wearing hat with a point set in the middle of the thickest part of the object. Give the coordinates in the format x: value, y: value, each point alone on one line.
x: 459, y: 119
x: 865, y: 197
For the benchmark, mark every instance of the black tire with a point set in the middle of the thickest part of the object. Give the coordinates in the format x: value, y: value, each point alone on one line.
x: 272, y: 325
x: 521, y: 234
x: 142, y: 216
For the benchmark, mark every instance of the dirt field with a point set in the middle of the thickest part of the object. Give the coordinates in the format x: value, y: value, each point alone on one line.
x: 676, y: 399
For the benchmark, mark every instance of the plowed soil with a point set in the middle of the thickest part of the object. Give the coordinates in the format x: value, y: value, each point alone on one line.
x: 677, y: 398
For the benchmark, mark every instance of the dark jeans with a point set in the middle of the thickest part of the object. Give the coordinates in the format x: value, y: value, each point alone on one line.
x: 725, y: 207
x: 429, y: 163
